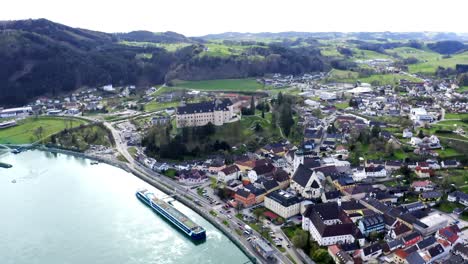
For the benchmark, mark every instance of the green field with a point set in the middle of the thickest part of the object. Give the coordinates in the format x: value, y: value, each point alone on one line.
x: 431, y: 65
x: 156, y: 106
x: 379, y: 79
x: 455, y: 116
x: 25, y: 131
x: 234, y: 85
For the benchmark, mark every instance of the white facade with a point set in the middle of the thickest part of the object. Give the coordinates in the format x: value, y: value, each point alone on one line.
x: 325, y: 241
x: 359, y: 174
x: 281, y: 210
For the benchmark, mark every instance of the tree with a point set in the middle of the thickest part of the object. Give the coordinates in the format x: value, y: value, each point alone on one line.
x: 38, y: 132
x: 300, y: 238
x: 280, y: 98
x: 375, y: 131
x: 286, y: 119
x: 252, y: 105
x: 421, y: 134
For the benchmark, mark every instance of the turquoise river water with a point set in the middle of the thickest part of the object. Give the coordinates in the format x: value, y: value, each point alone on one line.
x: 56, y: 208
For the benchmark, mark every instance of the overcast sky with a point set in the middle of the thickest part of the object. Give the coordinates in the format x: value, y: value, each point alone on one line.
x: 200, y: 17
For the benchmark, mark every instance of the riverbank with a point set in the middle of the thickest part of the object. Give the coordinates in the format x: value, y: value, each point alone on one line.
x: 184, y: 199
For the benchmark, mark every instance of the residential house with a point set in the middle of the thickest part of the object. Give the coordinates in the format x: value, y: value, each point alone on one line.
x: 430, y: 196
x: 407, y: 133
x: 191, y: 177
x: 459, y: 197
x: 411, y: 239
x: 244, y: 197
x: 376, y: 172
x: 449, y: 233
x: 423, y: 173
x: 422, y: 186
x: 392, y: 165
x: 371, y: 252
x: 450, y: 164
x: 228, y: 173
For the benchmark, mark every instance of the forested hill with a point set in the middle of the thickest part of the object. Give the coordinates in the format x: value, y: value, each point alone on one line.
x: 40, y: 57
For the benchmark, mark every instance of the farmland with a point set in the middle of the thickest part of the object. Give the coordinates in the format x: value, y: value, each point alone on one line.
x: 238, y: 85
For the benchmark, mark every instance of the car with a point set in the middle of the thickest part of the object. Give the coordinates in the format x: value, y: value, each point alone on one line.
x: 229, y: 216
x: 218, y: 203
x: 228, y: 211
x: 289, y: 246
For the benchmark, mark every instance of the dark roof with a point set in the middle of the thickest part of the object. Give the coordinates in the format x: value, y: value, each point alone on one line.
x: 401, y: 228
x: 255, y: 190
x: 415, y: 258
x: 315, y: 185
x: 372, y: 249
x: 393, y: 163
x: 204, y: 107
x: 270, y: 184
x: 311, y: 163
x: 450, y: 162
x: 411, y: 236
x: 463, y: 249
x: 372, y: 220
x: 431, y: 195
x: 375, y: 169
x: 436, y: 250
x: 352, y: 205
x: 242, y: 192
x: 327, y: 211
x: 284, y: 198
x: 280, y: 175
x: 348, y: 247
x: 230, y: 170
x: 302, y: 175
x: 426, y: 242
x: 332, y: 195
x: 264, y: 169
x: 328, y: 170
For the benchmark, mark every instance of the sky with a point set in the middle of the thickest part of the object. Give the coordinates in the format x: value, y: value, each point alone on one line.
x: 201, y: 17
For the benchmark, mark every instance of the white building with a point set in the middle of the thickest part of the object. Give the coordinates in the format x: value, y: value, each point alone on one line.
x: 283, y: 203
x: 229, y: 173
x: 359, y: 174
x: 217, y: 112
x: 15, y: 112
x: 306, y: 183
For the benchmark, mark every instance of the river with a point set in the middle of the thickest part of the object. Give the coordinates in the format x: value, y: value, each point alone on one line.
x: 62, y: 209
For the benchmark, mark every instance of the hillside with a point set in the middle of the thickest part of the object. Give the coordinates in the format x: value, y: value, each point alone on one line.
x: 40, y: 57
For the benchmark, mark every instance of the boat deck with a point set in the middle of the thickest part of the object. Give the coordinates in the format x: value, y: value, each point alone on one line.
x: 175, y: 213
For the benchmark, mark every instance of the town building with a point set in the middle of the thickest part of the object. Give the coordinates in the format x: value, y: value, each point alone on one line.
x: 458, y: 197
x: 217, y: 112
x: 371, y: 223
x: 306, y: 183
x: 283, y: 203
x: 228, y: 173
x: 15, y: 112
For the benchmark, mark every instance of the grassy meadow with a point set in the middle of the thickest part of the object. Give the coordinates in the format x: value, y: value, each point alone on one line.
x: 25, y: 131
